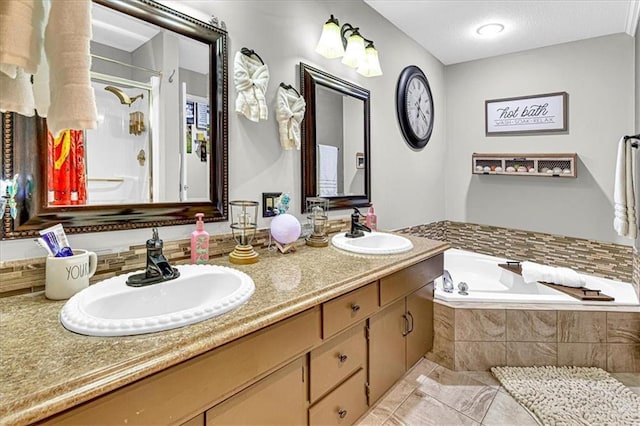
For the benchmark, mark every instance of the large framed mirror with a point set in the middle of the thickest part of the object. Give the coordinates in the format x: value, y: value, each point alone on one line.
x: 336, y: 160
x: 159, y: 153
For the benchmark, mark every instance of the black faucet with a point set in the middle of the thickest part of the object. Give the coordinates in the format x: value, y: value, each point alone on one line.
x: 158, y: 268
x: 356, y: 226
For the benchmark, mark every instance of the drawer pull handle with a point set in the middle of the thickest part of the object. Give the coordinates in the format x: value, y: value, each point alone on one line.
x: 342, y: 413
x: 406, y: 325
x: 355, y: 307
x: 342, y: 357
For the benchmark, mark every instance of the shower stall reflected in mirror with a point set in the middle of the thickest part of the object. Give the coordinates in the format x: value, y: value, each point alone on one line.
x: 111, y: 164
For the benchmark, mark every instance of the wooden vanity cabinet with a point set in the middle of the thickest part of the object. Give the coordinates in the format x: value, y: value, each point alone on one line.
x: 323, y: 366
x: 278, y: 399
x: 402, y: 331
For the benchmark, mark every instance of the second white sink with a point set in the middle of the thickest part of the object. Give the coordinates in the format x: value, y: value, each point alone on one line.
x: 373, y: 243
x: 112, y: 308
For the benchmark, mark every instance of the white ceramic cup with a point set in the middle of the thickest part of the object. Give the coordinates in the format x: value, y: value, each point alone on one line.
x: 65, y: 276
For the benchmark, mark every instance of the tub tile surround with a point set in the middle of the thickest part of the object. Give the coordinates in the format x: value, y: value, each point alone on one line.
x: 602, y: 259
x: 609, y: 340
x: 27, y: 276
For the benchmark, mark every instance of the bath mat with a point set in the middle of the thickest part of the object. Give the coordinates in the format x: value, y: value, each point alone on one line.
x: 571, y: 395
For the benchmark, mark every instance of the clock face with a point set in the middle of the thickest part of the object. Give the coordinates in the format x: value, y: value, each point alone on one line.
x: 418, y: 107
x: 414, y: 106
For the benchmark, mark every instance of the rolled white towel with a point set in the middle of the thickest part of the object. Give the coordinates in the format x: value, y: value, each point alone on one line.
x: 532, y: 272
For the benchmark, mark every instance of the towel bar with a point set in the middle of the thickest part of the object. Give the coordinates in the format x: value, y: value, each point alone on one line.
x: 633, y: 144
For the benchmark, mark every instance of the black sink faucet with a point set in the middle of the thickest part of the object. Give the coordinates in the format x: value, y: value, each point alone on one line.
x: 356, y: 226
x: 158, y: 268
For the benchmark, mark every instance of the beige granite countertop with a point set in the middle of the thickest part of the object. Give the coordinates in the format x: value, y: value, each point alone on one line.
x: 46, y: 369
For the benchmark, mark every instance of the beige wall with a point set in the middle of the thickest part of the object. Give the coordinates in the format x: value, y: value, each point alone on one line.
x: 598, y: 75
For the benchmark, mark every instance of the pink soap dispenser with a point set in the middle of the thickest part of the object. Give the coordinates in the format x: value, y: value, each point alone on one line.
x: 199, y: 242
x: 372, y: 220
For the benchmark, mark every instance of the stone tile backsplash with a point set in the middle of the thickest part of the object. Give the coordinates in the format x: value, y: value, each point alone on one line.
x: 608, y: 260
x: 597, y: 258
x: 27, y: 275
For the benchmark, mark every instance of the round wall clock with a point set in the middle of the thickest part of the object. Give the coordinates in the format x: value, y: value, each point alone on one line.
x: 414, y: 106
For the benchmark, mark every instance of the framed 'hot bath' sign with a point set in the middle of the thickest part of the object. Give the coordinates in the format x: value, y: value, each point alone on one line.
x: 526, y: 114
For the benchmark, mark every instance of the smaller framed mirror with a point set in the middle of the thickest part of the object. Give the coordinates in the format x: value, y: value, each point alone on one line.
x: 336, y: 160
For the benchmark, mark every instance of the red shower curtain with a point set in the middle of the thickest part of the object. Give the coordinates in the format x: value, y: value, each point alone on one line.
x: 66, y: 177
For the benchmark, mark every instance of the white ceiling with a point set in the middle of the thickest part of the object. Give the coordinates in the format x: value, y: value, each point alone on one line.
x: 127, y: 33
x: 447, y: 28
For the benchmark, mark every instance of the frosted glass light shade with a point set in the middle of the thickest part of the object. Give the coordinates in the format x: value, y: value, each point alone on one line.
x: 371, y: 66
x: 354, y: 55
x: 330, y: 43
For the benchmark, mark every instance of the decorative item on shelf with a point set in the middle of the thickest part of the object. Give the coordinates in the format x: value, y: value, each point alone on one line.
x: 317, y: 209
x: 414, y: 107
x: 8, y: 191
x: 285, y: 228
x: 243, y: 226
x: 334, y: 43
x: 551, y: 165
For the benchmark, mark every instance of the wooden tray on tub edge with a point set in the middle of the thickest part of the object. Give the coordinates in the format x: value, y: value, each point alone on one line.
x: 581, y: 293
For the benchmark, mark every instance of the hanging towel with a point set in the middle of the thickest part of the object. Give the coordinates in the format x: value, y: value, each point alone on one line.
x: 328, y: 165
x: 21, y: 32
x: 16, y: 94
x: 290, y: 109
x: 21, y: 27
x: 532, y: 272
x: 625, y: 221
x: 67, y: 45
x: 250, y: 77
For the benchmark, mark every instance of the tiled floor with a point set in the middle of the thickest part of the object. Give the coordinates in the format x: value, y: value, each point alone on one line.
x: 430, y: 394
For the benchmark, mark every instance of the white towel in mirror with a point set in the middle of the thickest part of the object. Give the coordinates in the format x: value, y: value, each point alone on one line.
x: 328, y: 170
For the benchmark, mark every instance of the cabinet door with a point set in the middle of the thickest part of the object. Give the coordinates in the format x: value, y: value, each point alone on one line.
x: 386, y: 349
x: 278, y: 399
x: 420, y: 314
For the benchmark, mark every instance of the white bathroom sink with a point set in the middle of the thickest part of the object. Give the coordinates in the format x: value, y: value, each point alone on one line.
x: 373, y: 243
x: 112, y: 308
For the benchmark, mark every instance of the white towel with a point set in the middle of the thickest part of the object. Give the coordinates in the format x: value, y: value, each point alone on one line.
x: 21, y: 27
x: 532, y: 272
x: 624, y: 202
x: 328, y: 165
x: 67, y: 44
x: 250, y: 77
x: 289, y: 113
x: 16, y: 94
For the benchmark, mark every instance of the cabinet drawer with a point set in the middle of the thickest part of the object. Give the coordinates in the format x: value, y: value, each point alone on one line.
x: 343, y: 406
x: 181, y: 392
x: 408, y: 280
x: 343, y: 311
x: 336, y: 359
x: 278, y: 399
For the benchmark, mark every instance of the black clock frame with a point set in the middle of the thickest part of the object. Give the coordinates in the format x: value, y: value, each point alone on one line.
x: 407, y: 75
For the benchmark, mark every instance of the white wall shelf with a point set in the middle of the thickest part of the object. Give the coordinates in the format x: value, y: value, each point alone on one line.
x: 545, y: 165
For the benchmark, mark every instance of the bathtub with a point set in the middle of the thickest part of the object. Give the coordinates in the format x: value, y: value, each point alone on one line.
x: 489, y: 283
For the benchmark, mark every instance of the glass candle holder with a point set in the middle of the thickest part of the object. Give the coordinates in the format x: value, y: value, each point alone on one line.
x: 243, y: 227
x: 317, y: 217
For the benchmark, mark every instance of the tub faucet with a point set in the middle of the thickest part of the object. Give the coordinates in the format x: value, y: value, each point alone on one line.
x: 356, y: 226
x: 447, y: 282
x: 158, y: 268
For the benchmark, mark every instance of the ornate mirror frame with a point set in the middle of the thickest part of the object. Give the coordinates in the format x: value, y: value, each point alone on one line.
x: 310, y: 78
x: 24, y: 151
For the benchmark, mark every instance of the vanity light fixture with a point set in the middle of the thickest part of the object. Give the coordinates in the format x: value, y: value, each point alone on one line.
x: 347, y: 43
x: 491, y: 29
